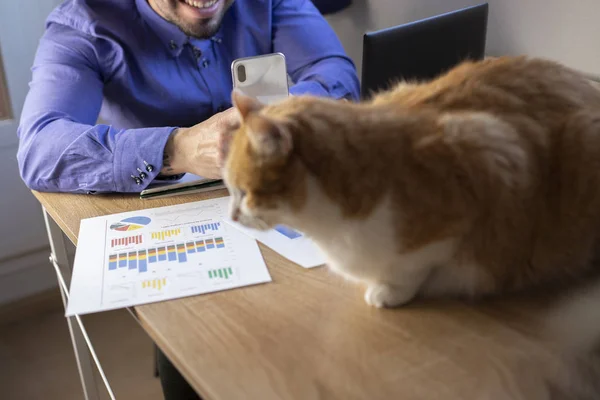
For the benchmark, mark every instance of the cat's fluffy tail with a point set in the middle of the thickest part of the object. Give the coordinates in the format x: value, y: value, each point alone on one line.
x: 575, y: 322
x: 571, y: 373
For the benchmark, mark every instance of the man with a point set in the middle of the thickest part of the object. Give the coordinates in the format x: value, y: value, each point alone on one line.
x: 158, y: 71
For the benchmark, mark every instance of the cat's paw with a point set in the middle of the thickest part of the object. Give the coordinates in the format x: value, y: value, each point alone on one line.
x: 387, y: 296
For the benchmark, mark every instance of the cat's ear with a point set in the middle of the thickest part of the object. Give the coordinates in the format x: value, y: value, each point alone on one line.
x: 245, y: 104
x: 269, y: 139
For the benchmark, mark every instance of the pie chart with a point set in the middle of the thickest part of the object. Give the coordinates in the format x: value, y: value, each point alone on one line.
x: 130, y: 224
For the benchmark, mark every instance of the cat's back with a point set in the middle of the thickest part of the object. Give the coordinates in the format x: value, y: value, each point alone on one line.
x: 505, y: 85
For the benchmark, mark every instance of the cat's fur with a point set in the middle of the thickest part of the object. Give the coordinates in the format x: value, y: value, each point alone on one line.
x: 485, y: 180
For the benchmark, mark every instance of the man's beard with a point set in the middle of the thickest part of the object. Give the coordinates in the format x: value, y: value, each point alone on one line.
x: 199, y: 31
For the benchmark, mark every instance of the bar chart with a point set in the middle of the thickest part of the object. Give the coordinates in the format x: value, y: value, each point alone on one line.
x: 222, y: 273
x: 204, y: 228
x: 125, y: 241
x: 200, y: 246
x: 169, y: 233
x: 288, y: 232
x: 179, y: 253
x: 157, y: 283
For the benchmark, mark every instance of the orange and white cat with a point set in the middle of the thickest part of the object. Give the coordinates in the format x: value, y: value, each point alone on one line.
x: 485, y: 180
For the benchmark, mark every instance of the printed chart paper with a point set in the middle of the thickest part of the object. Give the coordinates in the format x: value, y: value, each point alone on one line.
x: 158, y: 254
x: 291, y: 244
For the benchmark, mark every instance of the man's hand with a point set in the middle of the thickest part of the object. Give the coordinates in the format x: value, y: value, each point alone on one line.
x: 200, y: 149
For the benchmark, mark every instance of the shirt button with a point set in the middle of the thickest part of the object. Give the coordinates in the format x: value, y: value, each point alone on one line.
x: 137, y: 180
x: 149, y: 167
x: 205, y: 63
x: 172, y: 45
x: 142, y: 174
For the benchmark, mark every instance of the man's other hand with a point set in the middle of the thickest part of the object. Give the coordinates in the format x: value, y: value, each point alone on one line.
x: 200, y: 149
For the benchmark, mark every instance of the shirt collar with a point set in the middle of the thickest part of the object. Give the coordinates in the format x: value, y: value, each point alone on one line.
x: 169, y: 34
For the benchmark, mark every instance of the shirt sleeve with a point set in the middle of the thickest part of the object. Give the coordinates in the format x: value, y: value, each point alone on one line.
x: 315, y: 58
x: 61, y: 148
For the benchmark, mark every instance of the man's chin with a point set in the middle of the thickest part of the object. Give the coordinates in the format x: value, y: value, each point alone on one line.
x: 203, y: 29
x: 204, y: 32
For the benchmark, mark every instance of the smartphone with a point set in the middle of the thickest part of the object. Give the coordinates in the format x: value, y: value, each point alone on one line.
x: 262, y: 77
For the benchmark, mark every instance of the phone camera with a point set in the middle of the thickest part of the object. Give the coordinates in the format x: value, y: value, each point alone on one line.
x: 241, y: 70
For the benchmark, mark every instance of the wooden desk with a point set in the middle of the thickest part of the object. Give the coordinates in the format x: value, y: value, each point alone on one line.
x: 310, y: 335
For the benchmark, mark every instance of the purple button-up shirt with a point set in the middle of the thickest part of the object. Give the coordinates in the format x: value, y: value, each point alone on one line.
x: 119, y: 60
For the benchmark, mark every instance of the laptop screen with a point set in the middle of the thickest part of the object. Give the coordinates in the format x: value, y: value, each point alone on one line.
x: 424, y: 49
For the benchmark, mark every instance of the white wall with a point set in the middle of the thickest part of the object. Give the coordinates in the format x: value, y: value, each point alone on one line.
x: 567, y: 31
x: 24, y: 267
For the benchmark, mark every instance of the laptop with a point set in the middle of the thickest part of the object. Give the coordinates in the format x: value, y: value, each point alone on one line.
x: 424, y: 49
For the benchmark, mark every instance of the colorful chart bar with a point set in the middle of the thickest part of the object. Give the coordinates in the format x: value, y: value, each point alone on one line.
x: 137, y: 239
x: 166, y: 234
x: 223, y: 273
x: 190, y: 247
x: 151, y: 255
x: 162, y: 254
x: 157, y: 283
x: 288, y: 232
x: 132, y: 258
x: 142, y: 261
x: 172, y: 253
x: 202, y: 229
x: 181, y: 253
x: 112, y: 262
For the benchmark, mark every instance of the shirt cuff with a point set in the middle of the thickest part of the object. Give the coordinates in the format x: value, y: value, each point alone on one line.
x: 138, y: 157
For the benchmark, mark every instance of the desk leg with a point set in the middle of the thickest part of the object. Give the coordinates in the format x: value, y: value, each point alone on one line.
x: 82, y: 355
